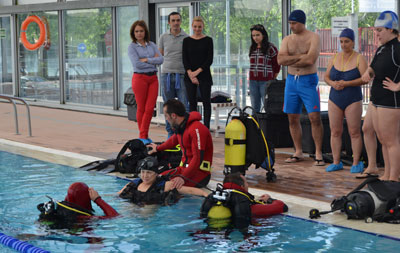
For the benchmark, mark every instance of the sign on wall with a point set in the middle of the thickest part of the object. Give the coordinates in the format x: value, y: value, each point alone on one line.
x: 377, y: 5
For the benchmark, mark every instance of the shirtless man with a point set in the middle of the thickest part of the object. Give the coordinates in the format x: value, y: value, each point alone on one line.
x: 299, y: 51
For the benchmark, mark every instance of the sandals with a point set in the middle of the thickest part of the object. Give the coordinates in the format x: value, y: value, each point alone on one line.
x: 319, y: 162
x: 294, y: 159
x: 365, y: 175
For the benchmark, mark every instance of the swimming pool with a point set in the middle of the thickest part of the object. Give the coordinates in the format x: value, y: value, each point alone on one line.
x: 26, y: 181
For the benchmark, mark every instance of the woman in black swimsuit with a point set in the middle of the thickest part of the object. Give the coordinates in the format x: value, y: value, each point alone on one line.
x: 385, y: 70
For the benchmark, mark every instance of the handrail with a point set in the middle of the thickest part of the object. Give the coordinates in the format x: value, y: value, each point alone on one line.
x: 11, y: 99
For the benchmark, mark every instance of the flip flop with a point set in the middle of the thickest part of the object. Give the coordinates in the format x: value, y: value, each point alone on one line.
x: 294, y: 159
x: 366, y: 175
x: 319, y: 162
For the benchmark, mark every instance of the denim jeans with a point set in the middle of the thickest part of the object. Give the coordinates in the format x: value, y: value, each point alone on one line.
x: 173, y: 93
x: 257, y: 94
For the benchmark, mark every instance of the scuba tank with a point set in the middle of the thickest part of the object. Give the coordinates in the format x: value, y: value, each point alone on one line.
x: 245, y: 144
x: 235, y: 147
x: 215, y: 209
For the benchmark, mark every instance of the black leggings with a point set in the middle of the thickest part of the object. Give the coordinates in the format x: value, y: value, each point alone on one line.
x: 205, y: 92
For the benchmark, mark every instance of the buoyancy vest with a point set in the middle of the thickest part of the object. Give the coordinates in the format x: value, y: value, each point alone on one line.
x: 61, y: 214
x: 154, y: 195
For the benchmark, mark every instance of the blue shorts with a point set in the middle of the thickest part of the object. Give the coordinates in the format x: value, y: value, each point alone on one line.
x: 299, y: 90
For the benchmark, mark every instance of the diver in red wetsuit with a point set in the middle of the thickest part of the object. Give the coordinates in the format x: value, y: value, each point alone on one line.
x: 77, y: 205
x: 196, y: 144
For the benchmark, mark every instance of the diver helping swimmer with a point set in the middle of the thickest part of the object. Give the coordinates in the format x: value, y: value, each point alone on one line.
x: 195, y: 141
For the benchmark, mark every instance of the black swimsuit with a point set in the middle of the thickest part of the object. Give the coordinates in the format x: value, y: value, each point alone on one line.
x: 386, y: 63
x: 154, y: 195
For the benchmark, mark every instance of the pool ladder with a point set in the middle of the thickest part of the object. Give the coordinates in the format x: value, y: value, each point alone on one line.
x: 12, y: 100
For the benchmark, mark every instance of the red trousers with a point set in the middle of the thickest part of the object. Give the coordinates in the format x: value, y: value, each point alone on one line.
x: 146, y: 92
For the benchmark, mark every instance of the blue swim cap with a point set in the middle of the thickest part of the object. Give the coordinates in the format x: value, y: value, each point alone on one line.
x: 298, y: 16
x: 387, y: 19
x: 348, y: 33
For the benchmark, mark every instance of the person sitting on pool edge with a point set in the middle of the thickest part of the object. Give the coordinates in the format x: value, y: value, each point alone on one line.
x: 234, y: 202
x: 76, y: 206
x: 196, y: 144
x: 151, y: 188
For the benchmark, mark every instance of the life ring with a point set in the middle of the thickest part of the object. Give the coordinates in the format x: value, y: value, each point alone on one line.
x: 42, y: 36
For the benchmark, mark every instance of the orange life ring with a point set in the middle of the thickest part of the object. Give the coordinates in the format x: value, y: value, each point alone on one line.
x: 42, y: 36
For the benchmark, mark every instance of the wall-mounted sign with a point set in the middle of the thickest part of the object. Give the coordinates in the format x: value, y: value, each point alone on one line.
x: 376, y: 5
x: 82, y: 47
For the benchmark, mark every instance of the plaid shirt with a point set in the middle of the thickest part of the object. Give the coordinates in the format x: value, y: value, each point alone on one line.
x: 264, y: 67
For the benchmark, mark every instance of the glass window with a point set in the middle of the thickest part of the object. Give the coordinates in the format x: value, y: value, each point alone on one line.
x: 319, y: 18
x: 6, y: 61
x: 126, y: 17
x: 88, y: 42
x: 39, y: 77
x: 231, y: 60
x: 5, y: 2
x: 20, y: 2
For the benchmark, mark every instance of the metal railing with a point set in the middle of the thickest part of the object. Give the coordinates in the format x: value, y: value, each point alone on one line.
x: 12, y: 99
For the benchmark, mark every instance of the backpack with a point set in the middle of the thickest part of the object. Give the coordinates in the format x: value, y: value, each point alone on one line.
x: 170, y: 157
x: 127, y: 163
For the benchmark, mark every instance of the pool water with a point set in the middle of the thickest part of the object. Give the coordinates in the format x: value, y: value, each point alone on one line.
x: 177, y: 228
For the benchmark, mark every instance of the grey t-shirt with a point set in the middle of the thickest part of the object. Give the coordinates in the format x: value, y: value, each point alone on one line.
x: 172, y: 47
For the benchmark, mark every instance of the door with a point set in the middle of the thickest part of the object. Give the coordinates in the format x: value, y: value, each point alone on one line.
x: 6, y: 59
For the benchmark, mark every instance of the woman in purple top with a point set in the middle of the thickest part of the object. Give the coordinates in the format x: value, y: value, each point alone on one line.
x: 145, y: 57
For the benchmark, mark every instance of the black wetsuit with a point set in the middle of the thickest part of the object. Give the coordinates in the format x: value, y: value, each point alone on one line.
x: 154, y: 195
x: 386, y: 63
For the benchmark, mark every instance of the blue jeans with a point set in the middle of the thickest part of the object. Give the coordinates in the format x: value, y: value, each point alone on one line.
x: 173, y: 93
x: 257, y: 94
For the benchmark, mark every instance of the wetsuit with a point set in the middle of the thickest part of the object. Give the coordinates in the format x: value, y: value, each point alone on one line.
x: 349, y: 95
x: 154, y: 195
x: 386, y: 63
x: 197, y: 152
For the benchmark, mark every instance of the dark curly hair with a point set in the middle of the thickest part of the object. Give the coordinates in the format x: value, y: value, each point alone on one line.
x: 264, y: 43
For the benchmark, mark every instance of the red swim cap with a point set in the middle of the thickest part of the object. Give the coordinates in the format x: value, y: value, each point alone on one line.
x: 78, y: 193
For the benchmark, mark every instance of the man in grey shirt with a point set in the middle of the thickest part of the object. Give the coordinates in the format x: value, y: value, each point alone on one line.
x: 172, y: 71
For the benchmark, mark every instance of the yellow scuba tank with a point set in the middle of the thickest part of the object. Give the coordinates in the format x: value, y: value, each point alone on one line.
x: 219, y: 216
x: 235, y: 147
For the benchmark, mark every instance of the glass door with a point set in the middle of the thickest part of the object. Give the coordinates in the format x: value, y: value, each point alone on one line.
x: 6, y: 59
x: 163, y: 10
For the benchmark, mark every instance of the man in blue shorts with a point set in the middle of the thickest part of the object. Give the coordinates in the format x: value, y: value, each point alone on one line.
x: 299, y: 51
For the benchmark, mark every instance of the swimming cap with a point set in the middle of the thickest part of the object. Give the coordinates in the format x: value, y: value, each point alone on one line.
x: 298, y: 16
x: 347, y: 33
x: 78, y: 193
x: 149, y: 163
x: 387, y: 19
